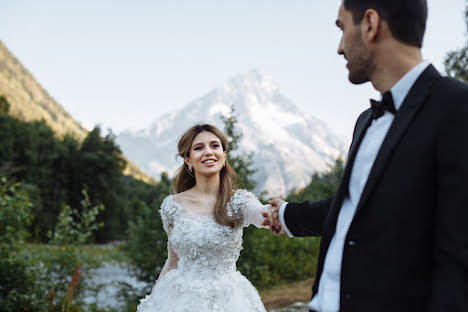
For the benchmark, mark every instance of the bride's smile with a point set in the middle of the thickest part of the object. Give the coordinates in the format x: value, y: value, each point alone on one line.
x: 206, y: 156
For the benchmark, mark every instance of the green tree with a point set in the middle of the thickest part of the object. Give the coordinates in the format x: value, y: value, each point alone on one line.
x: 41, y: 151
x: 8, y: 148
x: 241, y: 163
x: 322, y: 185
x: 100, y: 170
x: 4, y: 105
x: 28, y: 152
x: 456, y: 62
x: 55, y: 171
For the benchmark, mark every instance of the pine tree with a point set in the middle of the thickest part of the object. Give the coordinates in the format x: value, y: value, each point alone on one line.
x: 100, y: 167
x: 241, y: 163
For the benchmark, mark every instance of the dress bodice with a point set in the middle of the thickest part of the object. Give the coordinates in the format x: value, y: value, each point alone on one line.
x: 202, y: 244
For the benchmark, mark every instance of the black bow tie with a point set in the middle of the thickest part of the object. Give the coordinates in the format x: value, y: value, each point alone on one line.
x: 379, y: 108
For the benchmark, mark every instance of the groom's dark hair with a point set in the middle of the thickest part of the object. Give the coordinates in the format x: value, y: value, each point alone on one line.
x: 406, y: 18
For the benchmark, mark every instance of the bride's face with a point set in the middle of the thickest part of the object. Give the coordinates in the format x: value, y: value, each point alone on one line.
x: 206, y: 154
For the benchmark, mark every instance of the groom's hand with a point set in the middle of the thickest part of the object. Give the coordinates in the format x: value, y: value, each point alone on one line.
x: 276, y: 202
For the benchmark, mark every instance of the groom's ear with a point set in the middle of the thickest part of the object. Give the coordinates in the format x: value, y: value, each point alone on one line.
x: 371, y: 25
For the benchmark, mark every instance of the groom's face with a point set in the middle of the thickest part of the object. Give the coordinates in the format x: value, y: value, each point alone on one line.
x: 353, y: 48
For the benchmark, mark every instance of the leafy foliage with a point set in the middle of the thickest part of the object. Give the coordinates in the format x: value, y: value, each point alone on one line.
x: 456, y: 62
x: 321, y: 186
x: 16, y: 277
x: 101, y: 166
x: 146, y: 244
x: 55, y: 171
x: 27, y: 279
x: 15, y: 215
x: 241, y: 163
x: 75, y: 228
x: 267, y: 260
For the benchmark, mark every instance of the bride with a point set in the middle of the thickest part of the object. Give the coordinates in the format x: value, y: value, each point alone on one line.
x: 203, y: 221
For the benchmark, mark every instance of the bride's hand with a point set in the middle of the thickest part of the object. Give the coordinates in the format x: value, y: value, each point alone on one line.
x: 271, y: 218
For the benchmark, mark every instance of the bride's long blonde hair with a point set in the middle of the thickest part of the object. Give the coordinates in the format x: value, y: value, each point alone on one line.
x: 184, y: 180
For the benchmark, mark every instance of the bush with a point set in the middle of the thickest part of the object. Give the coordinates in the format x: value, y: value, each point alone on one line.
x: 268, y: 260
x: 64, y: 267
x: 75, y: 228
x: 147, y: 242
x: 17, y: 279
x: 42, y: 281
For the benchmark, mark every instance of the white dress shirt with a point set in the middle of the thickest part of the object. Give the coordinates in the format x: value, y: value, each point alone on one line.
x: 328, y: 296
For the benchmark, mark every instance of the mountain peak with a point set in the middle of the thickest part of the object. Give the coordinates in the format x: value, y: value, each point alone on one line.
x: 252, y: 81
x: 289, y: 145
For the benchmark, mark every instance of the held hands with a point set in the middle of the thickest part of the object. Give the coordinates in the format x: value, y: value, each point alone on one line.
x: 271, y: 218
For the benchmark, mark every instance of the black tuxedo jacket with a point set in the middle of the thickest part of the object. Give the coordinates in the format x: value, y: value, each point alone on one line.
x: 407, y: 246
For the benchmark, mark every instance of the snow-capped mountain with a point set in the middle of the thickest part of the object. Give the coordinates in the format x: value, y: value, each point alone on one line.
x: 288, y: 144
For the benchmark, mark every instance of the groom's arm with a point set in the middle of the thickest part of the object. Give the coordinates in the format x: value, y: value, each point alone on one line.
x: 450, y: 254
x: 305, y: 218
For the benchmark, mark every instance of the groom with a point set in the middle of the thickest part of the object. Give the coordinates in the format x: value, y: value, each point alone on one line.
x: 395, y: 234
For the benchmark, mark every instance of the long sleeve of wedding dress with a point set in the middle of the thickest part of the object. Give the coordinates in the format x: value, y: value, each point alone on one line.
x: 200, y: 273
x: 251, y: 207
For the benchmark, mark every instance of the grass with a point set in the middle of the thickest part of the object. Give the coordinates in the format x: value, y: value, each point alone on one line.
x: 285, y: 295
x: 95, y: 253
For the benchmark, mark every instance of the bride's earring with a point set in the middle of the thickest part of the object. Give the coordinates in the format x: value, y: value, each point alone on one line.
x: 189, y: 170
x: 224, y: 164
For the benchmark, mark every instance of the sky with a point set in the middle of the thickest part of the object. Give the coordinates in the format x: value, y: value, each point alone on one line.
x: 123, y: 64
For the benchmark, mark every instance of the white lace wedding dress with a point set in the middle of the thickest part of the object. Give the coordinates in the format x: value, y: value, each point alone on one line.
x: 206, y: 279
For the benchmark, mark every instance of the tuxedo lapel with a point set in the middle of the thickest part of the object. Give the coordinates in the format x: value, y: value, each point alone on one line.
x: 403, y: 118
x: 361, y: 128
